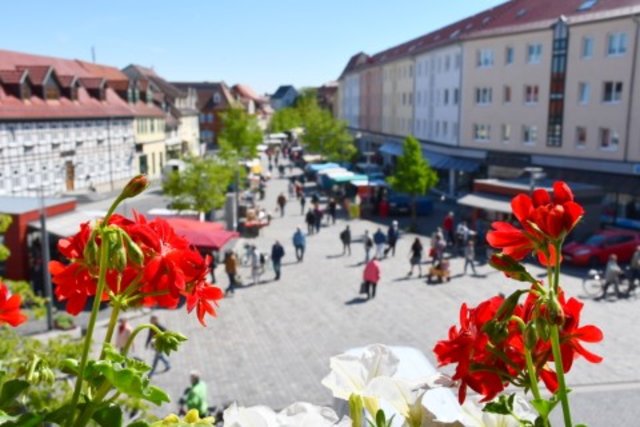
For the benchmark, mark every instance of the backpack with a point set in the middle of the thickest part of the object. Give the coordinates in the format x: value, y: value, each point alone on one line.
x: 263, y: 259
x: 343, y: 235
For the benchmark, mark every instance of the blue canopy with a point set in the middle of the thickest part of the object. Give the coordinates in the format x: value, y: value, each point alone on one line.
x: 320, y: 166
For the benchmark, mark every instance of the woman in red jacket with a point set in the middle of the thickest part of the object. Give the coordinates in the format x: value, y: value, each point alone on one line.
x: 371, y: 277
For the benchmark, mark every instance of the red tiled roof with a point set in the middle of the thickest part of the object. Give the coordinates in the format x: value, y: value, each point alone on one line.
x: 91, y: 82
x: 66, y: 81
x: 12, y: 76
x: 37, y: 73
x: 246, y: 92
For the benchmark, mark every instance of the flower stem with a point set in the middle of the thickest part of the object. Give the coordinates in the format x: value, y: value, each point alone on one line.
x: 115, y: 311
x: 135, y: 332
x: 562, y: 386
x: 102, y: 279
x: 533, y: 380
x: 86, y: 415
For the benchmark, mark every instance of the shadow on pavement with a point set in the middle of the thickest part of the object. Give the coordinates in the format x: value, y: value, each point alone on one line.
x: 356, y: 300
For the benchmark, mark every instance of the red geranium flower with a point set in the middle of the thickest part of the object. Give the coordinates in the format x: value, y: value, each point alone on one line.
x: 74, y: 284
x: 10, y: 307
x: 571, y: 334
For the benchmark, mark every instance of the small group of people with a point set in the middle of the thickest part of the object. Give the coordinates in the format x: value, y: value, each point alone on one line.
x: 613, y: 274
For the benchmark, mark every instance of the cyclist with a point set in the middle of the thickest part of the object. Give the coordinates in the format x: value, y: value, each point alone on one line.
x: 612, y: 277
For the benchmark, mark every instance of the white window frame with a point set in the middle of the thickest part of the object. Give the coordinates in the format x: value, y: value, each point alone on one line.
x: 584, y: 93
x: 611, y: 136
x: 484, y: 96
x: 616, y: 96
x: 617, y: 43
x: 505, y: 133
x: 529, y: 134
x: 586, y: 50
x: 484, y: 58
x: 581, y: 145
x: 481, y: 132
x: 531, y: 94
x: 509, y: 55
x: 534, y: 53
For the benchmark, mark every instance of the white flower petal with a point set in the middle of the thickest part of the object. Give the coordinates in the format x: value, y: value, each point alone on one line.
x: 254, y: 416
x: 306, y: 414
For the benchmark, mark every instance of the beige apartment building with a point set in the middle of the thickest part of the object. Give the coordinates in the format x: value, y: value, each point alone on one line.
x: 397, y: 97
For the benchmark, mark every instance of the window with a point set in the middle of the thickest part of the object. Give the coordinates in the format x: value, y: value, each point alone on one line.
x: 484, y: 58
x: 209, y: 118
x: 456, y: 96
x: 216, y: 98
x: 617, y: 44
x: 447, y: 63
x: 506, y: 94
x: 612, y: 92
x: 437, y: 127
x: 481, y: 132
x: 587, y: 47
x: 203, y: 118
x: 445, y: 128
x: 410, y: 99
x: 509, y: 55
x: 483, y: 95
x: 534, y: 53
x: 418, y: 98
x: 531, y: 94
x: 584, y: 92
x: 529, y: 134
x: 586, y: 5
x: 410, y: 70
x: 404, y: 98
x: 458, y: 61
x: 581, y: 137
x: 609, y: 139
x: 446, y: 97
x: 506, y: 133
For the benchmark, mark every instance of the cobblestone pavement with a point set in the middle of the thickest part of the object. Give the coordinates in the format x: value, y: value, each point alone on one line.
x: 271, y: 343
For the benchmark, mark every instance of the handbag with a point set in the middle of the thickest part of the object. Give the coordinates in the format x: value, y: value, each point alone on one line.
x: 363, y: 288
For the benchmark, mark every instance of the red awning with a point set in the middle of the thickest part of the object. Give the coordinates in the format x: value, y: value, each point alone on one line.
x: 203, y: 235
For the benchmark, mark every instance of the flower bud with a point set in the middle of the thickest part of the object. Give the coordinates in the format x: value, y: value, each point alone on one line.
x: 90, y: 253
x: 556, y: 314
x: 134, y: 187
x: 133, y: 250
x: 530, y: 336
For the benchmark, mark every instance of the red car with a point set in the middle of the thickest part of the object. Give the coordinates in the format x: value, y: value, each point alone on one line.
x: 595, y: 250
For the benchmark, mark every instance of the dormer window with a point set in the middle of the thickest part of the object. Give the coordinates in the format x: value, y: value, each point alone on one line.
x: 25, y: 90
x: 216, y: 98
x: 129, y: 95
x: 50, y: 89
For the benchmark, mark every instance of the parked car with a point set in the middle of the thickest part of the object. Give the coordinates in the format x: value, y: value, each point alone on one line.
x: 401, y: 204
x: 595, y: 249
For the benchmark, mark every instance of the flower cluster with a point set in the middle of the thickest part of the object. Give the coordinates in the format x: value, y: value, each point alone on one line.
x: 544, y: 220
x: 148, y: 264
x: 10, y: 307
x: 490, y: 351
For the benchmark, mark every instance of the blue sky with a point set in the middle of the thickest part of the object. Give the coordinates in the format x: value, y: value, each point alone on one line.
x: 261, y: 43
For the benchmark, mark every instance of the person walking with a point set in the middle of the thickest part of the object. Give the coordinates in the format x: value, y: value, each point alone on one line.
x: 371, y: 277
x: 195, y: 397
x: 463, y: 234
x: 333, y: 208
x: 470, y: 257
x: 158, y: 355
x: 379, y: 239
x: 447, y: 227
x: 123, y: 334
x: 282, y: 201
x: 634, y: 265
x: 317, y: 213
x: 310, y: 219
x: 368, y: 245
x: 392, y: 238
x: 345, y: 238
x: 416, y: 257
x: 299, y: 242
x: 611, y: 277
x: 277, y: 253
x: 291, y: 188
x: 303, y: 201
x: 231, y: 268
x: 254, y: 263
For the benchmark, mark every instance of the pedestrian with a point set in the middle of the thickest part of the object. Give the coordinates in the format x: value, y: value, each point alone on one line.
x: 416, y: 257
x: 231, y: 268
x: 282, y: 201
x: 310, y: 219
x: 281, y: 170
x: 611, y: 277
x: 291, y: 188
x: 277, y: 253
x: 299, y: 242
x: 317, y: 213
x: 303, y: 201
x: 447, y: 227
x: 261, y: 190
x: 368, y: 245
x: 469, y: 257
x: 379, y: 239
x: 214, y: 264
x: 463, y: 233
x: 634, y: 265
x: 123, y: 334
x: 345, y: 238
x: 333, y: 207
x: 158, y: 356
x: 255, y: 264
x: 298, y: 189
x: 392, y: 238
x: 195, y: 397
x: 371, y: 277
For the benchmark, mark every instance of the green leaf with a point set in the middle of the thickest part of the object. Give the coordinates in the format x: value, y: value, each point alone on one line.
x: 545, y: 406
x: 502, y: 406
x: 511, y: 268
x: 25, y: 420
x: 138, y: 424
x: 11, y: 390
x: 380, y: 419
x: 168, y: 341
x: 131, y: 382
x: 60, y: 415
x: 109, y: 416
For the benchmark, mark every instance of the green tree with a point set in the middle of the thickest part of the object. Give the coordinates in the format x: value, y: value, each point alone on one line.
x: 240, y: 135
x: 327, y: 136
x: 201, y: 186
x: 413, y: 175
x: 285, y: 119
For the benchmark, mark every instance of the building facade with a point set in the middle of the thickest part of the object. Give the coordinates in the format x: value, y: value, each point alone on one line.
x: 285, y: 96
x: 63, y: 129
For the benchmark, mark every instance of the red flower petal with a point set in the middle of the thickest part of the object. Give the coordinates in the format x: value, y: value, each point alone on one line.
x: 541, y: 197
x: 562, y: 192
x: 522, y: 207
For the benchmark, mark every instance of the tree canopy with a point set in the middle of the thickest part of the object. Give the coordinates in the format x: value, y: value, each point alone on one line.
x: 201, y: 186
x: 240, y: 135
x: 327, y: 136
x: 285, y: 119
